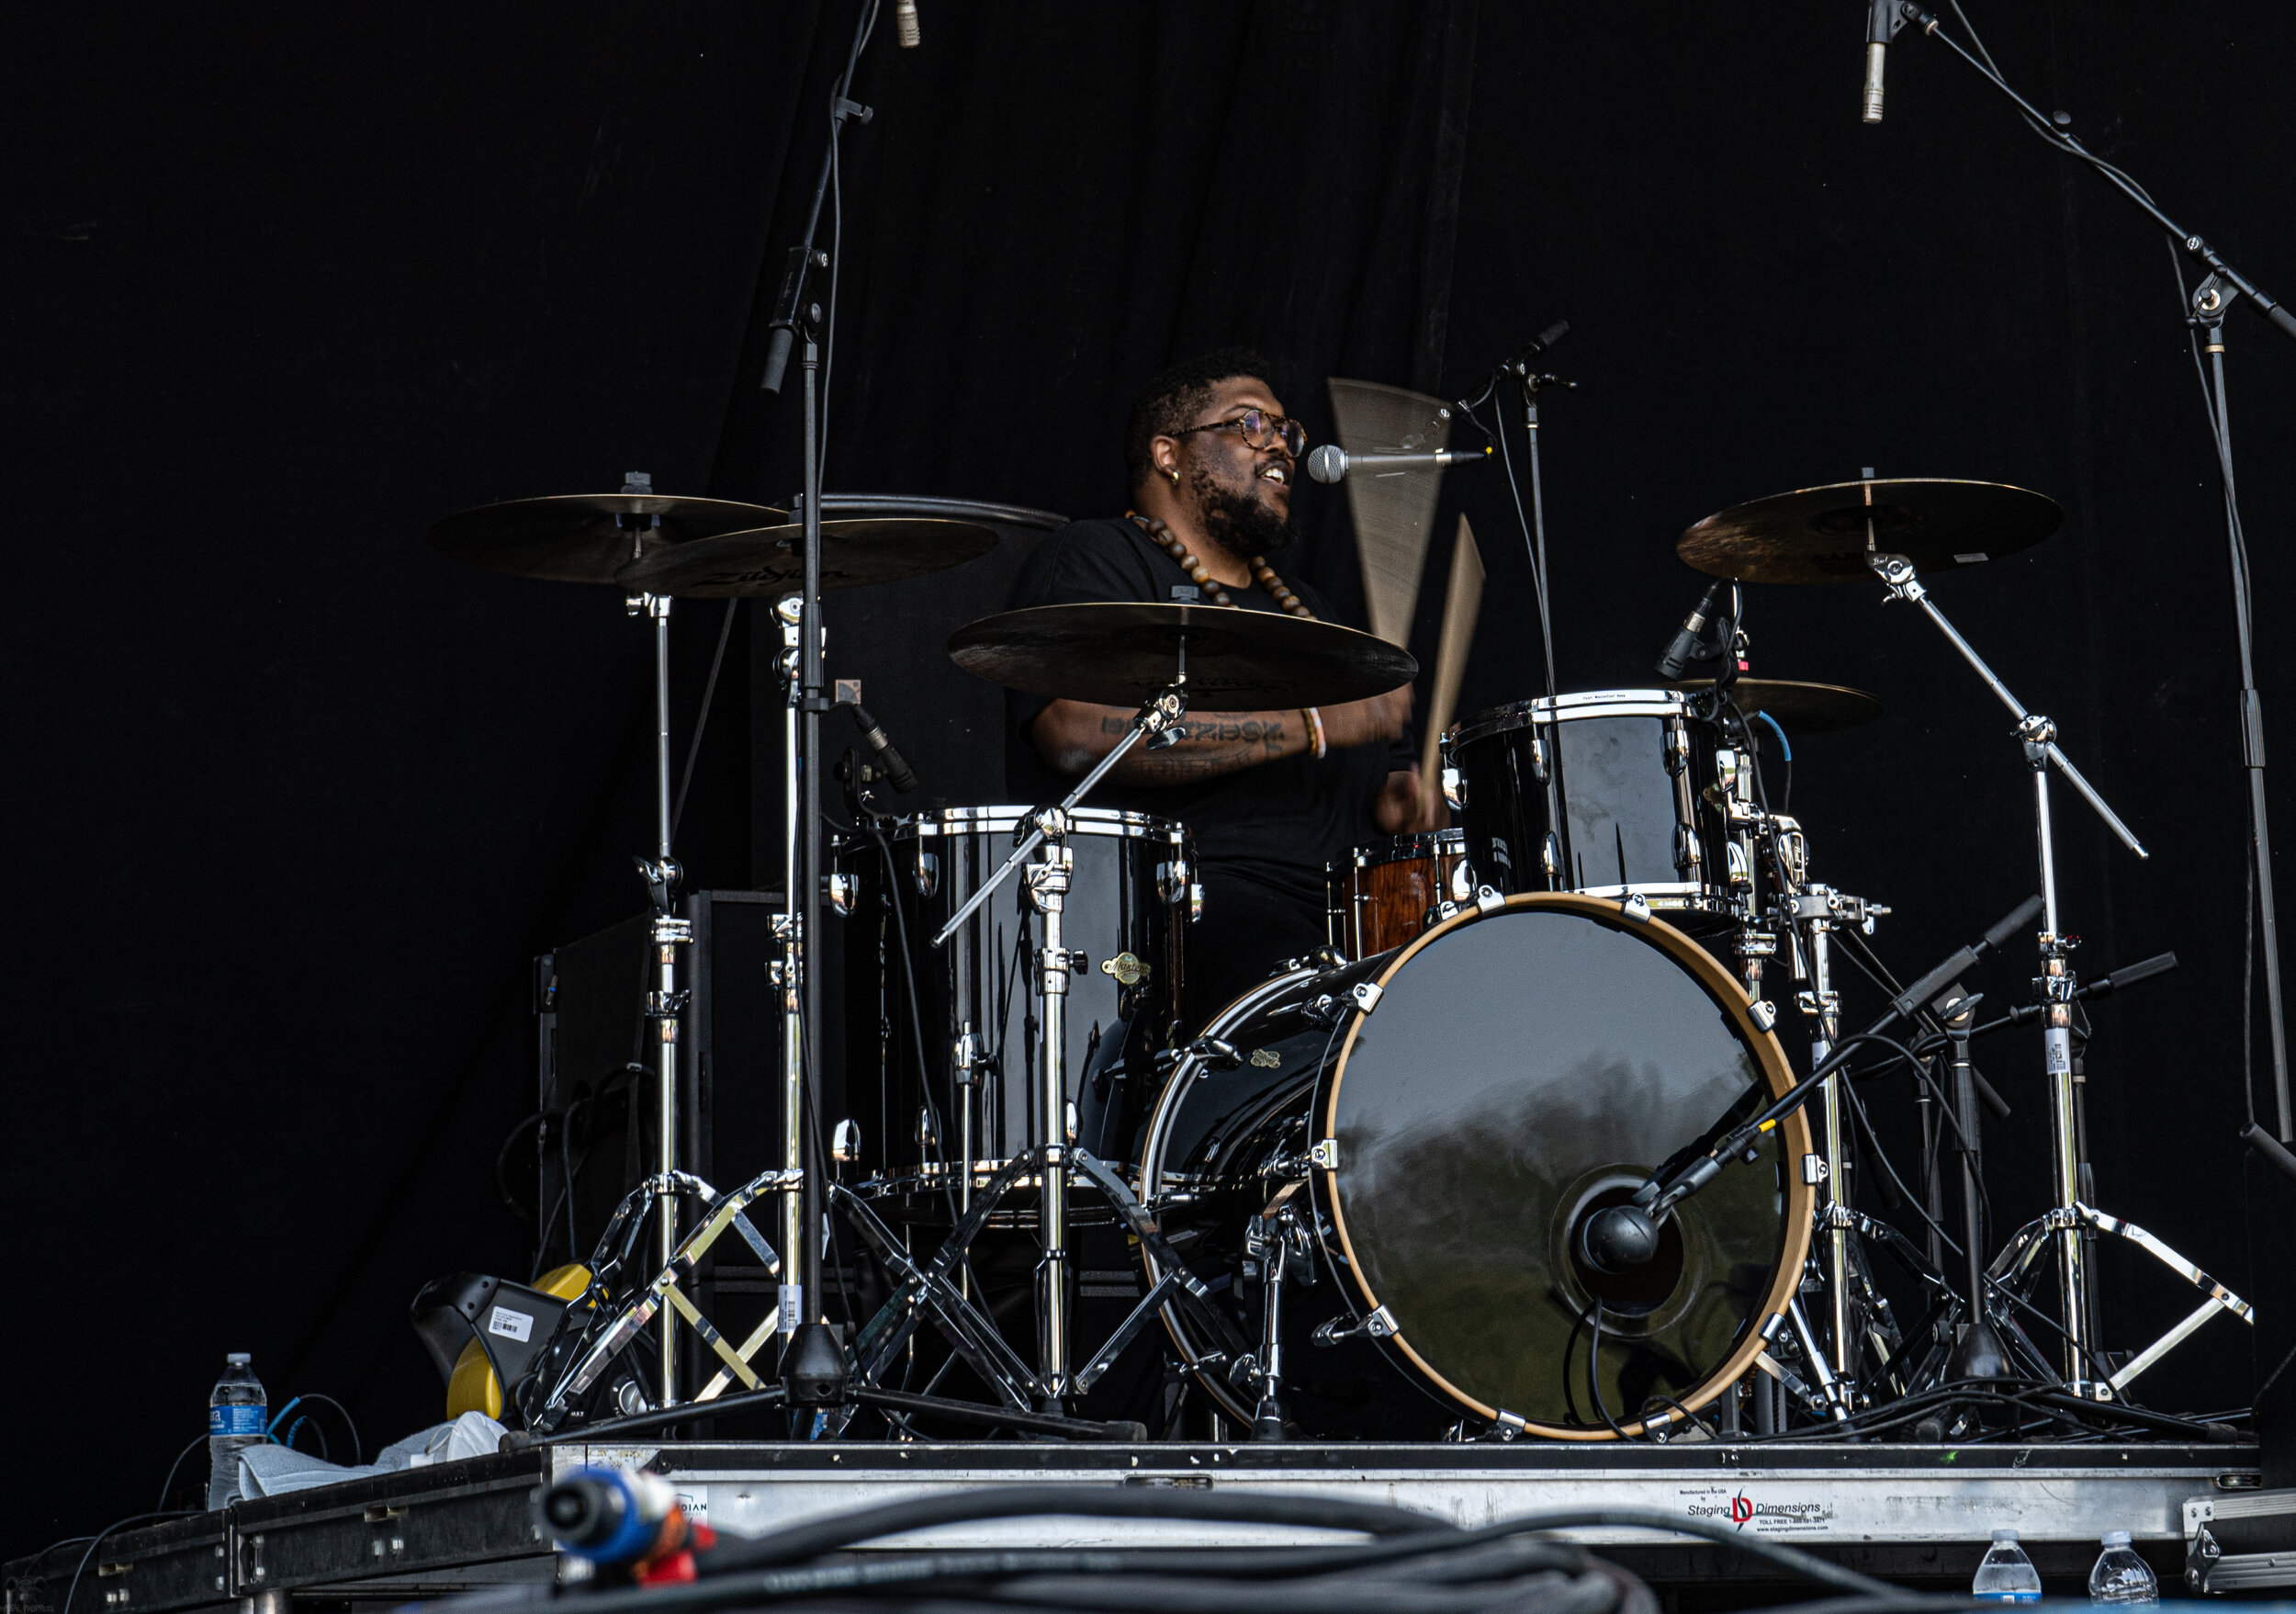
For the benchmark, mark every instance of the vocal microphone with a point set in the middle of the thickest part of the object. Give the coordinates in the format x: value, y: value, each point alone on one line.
x: 1544, y: 339
x: 897, y: 768
x: 1688, y: 644
x: 1331, y: 462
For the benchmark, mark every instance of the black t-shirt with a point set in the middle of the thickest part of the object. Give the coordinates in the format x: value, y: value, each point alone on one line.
x: 1276, y: 822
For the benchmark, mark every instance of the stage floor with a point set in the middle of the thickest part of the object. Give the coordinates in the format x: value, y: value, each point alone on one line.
x: 1915, y: 1514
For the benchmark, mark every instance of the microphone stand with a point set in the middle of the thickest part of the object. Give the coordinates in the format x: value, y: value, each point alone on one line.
x: 2224, y: 286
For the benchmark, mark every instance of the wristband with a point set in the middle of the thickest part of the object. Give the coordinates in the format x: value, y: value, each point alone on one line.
x: 1315, y: 730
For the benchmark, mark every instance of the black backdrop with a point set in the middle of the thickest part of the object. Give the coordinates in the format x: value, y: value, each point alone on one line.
x: 297, y: 799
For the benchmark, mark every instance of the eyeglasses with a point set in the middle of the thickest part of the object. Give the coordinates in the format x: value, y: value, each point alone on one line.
x: 1260, y: 430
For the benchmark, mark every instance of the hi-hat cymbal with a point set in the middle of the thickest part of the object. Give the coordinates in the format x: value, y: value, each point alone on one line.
x: 770, y: 561
x: 1819, y: 534
x: 588, y: 537
x: 1121, y: 653
x: 1801, y: 708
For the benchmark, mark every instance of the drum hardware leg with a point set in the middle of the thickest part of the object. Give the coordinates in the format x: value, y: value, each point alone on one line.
x: 1978, y: 1352
x: 929, y: 1294
x: 1271, y: 1242
x: 1834, y: 1393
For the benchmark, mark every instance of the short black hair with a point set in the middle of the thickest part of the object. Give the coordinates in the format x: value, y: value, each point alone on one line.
x: 1171, y: 400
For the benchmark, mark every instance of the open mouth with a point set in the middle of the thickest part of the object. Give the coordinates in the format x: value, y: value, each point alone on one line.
x: 1276, y: 472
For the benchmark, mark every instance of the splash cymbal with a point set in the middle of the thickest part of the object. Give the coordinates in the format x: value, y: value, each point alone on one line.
x: 1800, y: 707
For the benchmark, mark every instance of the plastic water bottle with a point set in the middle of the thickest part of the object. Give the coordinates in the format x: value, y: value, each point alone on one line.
x: 2120, y: 1577
x: 236, y: 1417
x: 2007, y: 1575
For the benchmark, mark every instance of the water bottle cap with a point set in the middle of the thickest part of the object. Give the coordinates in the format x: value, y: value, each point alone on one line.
x: 2004, y: 1535
x: 2116, y: 1538
x: 236, y: 1359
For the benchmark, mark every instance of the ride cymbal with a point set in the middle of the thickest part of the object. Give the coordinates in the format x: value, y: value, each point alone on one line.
x: 1821, y: 535
x: 769, y: 560
x: 1800, y: 707
x: 1120, y: 653
x: 588, y: 537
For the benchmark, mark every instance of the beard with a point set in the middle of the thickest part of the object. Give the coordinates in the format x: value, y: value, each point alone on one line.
x: 1240, y: 521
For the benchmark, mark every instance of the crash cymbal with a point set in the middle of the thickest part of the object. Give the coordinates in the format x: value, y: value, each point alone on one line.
x: 588, y: 537
x: 1122, y: 653
x: 1801, y: 708
x: 769, y: 560
x: 1818, y: 535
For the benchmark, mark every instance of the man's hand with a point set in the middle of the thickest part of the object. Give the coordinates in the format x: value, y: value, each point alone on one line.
x: 1407, y: 805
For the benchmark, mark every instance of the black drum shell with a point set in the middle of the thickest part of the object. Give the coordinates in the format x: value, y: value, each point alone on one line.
x: 1636, y: 768
x: 1126, y: 911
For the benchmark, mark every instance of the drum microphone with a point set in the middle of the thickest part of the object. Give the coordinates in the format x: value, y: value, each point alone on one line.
x: 1331, y: 462
x: 1688, y: 644
x: 1619, y: 1238
x: 897, y: 768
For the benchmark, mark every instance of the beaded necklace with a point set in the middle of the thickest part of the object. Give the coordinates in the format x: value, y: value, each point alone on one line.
x: 1203, y: 578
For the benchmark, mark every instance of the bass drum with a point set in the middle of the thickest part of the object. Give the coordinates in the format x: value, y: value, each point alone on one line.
x: 1441, y: 1120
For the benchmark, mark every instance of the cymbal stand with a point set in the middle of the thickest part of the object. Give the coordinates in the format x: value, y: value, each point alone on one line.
x: 668, y: 933
x: 1046, y: 885
x: 2065, y: 1223
x: 786, y: 973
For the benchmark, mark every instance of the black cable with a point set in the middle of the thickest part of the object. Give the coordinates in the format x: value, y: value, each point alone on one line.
x: 168, y: 1483
x: 1857, y: 1107
x: 916, y: 1019
x: 97, y: 1541
x: 1594, y: 1369
x: 343, y: 1413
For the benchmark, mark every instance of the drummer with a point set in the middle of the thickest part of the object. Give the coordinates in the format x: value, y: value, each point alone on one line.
x: 1271, y: 796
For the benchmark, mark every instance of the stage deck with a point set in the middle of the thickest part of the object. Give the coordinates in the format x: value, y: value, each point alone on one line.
x: 1915, y: 1514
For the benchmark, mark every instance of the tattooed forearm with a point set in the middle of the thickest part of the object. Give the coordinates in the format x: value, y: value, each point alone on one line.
x: 1073, y: 737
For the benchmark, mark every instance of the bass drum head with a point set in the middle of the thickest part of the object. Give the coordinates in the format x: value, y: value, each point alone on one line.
x: 1522, y: 1069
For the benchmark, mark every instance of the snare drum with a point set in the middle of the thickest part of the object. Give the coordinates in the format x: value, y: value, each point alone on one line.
x: 1380, y: 895
x: 1604, y: 793
x: 977, y: 1004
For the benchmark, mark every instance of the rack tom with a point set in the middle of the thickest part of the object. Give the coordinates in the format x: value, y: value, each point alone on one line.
x: 1613, y: 793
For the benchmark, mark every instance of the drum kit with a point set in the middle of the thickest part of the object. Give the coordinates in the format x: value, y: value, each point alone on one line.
x: 1520, y: 1153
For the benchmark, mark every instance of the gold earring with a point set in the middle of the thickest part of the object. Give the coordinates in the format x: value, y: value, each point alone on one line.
x: 1174, y: 476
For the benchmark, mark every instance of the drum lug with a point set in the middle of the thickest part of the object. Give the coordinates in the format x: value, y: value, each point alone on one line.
x: 845, y: 1146
x: 1538, y: 759
x: 1636, y: 907
x: 1763, y: 1013
x: 1325, y: 1154
x: 1551, y: 857
x: 1688, y: 855
x: 927, y: 876
x: 1489, y: 899
x: 1367, y: 995
x: 1379, y: 1324
x: 1454, y: 789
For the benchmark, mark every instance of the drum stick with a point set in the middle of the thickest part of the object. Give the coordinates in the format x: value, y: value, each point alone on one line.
x: 1461, y: 604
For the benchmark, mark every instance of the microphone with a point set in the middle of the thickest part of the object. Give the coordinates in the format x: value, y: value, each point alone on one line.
x: 872, y: 734
x: 905, y: 21
x: 1883, y: 19
x: 1545, y: 339
x: 1687, y: 646
x: 1331, y: 462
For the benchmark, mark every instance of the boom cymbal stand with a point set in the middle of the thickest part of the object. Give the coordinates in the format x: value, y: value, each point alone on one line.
x: 2068, y: 1223
x: 1045, y: 887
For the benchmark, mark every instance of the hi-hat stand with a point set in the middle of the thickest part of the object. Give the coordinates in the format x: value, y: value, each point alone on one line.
x: 2068, y: 1223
